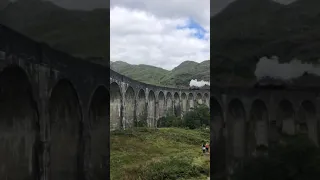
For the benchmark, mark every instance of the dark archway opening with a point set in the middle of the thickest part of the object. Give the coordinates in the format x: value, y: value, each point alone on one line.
x: 206, y: 99
x: 65, y: 133
x: 99, y: 121
x: 177, y: 108
x: 199, y: 99
x: 169, y: 104
x: 184, y: 103
x: 161, y: 108
x: 236, y: 122
x: 19, y: 134
x: 257, y: 127
x: 306, y: 121
x: 217, y: 139
x: 285, y: 118
x: 142, y: 109
x: 190, y: 103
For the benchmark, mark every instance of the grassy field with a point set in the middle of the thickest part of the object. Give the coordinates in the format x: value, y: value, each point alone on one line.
x: 164, y: 153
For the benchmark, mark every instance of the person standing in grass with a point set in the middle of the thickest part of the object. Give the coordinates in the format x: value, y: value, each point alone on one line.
x: 207, y: 147
x: 203, y: 148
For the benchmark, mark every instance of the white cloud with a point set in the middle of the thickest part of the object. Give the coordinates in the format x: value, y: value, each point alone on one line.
x: 145, y: 31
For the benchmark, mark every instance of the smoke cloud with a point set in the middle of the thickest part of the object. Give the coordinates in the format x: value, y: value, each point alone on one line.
x: 286, y: 71
x: 195, y: 82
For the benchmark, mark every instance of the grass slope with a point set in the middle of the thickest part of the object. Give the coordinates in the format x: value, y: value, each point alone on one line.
x: 178, y: 77
x: 164, y: 153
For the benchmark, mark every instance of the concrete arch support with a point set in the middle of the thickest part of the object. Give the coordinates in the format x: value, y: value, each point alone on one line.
x: 129, y: 108
x: 19, y: 123
x: 151, y: 109
x: 306, y: 121
x: 65, y: 122
x: 115, y: 107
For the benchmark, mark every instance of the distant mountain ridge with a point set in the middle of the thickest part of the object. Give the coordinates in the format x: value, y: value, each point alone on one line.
x: 180, y: 76
x: 77, y: 32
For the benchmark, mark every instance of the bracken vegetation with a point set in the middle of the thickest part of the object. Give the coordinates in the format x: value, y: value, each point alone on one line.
x: 172, y: 152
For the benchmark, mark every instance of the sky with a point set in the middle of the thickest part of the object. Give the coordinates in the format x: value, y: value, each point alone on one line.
x: 160, y: 34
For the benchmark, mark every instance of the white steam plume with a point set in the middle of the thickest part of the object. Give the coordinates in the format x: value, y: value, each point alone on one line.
x: 272, y: 68
x: 195, y: 82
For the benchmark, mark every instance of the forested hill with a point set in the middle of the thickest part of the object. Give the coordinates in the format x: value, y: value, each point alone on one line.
x: 180, y: 76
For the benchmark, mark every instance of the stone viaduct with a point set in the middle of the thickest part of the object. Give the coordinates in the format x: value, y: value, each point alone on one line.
x: 55, y: 111
x: 131, y: 101
x: 245, y: 118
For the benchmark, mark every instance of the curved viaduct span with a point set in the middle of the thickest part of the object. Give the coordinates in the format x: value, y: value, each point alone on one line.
x: 247, y: 118
x: 54, y: 110
x: 132, y: 101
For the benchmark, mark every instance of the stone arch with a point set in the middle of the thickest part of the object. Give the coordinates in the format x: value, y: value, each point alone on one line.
x: 190, y: 103
x: 161, y: 107
x: 199, y: 99
x: 258, y: 126
x: 151, y: 109
x: 129, y: 107
x: 306, y: 121
x: 65, y: 131
x: 184, y: 103
x: 206, y: 99
x: 169, y: 103
x: 19, y: 134
x: 285, y: 118
x: 217, y: 137
x: 177, y: 108
x: 115, y: 107
x: 236, y: 127
x: 141, y: 107
x: 99, y: 120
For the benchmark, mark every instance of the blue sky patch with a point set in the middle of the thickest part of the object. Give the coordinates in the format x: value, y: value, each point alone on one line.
x: 192, y: 24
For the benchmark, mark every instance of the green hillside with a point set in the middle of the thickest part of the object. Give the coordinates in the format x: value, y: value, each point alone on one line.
x: 80, y: 33
x: 178, y: 77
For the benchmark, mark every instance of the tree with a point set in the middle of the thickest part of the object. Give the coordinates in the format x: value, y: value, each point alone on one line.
x: 197, y: 117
